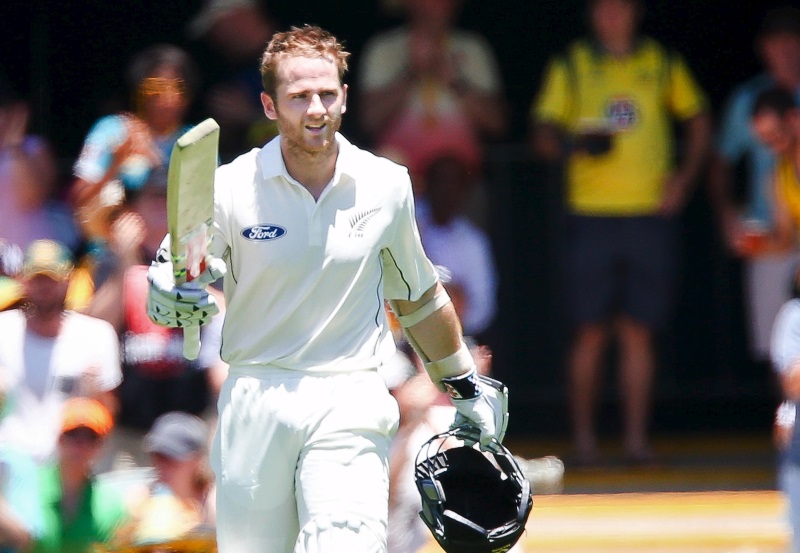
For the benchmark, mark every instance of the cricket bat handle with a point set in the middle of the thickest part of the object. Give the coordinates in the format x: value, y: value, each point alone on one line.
x: 191, y: 342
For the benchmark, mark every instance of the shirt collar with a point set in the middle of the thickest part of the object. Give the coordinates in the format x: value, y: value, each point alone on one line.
x: 272, y: 165
x: 600, y: 51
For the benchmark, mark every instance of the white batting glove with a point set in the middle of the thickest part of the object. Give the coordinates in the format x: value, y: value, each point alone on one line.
x: 185, y: 305
x: 482, y: 405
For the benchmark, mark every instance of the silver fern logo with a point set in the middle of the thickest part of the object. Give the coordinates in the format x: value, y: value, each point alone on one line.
x: 359, y: 221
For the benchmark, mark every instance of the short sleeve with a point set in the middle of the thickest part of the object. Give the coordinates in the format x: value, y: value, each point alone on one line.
x: 734, y: 138
x: 684, y: 96
x: 408, y: 272
x: 98, y: 147
x: 384, y: 60
x: 552, y: 104
x: 479, y: 65
x: 785, y: 340
x: 107, y: 344
x: 221, y: 237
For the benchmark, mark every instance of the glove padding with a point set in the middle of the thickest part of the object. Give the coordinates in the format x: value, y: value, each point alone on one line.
x: 185, y: 305
x: 483, y: 417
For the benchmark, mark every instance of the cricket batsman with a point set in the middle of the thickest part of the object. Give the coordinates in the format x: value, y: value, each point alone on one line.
x: 312, y: 235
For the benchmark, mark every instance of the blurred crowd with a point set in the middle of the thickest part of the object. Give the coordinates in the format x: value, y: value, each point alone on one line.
x: 104, y: 426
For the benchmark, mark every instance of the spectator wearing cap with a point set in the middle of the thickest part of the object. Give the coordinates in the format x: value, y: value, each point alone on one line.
x: 179, y: 502
x: 50, y: 354
x: 744, y: 224
x: 78, y: 510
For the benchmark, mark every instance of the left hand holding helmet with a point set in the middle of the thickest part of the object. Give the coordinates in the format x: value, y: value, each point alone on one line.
x: 482, y: 405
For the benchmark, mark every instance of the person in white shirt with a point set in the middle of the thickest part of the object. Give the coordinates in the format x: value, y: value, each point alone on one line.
x: 49, y: 354
x: 453, y: 241
x: 315, y: 234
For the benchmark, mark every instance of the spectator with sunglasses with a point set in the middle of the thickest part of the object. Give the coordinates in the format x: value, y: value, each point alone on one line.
x: 129, y: 149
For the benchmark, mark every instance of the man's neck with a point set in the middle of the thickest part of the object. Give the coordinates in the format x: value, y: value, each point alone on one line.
x: 73, y: 484
x: 430, y: 28
x: 618, y: 47
x: 313, y: 171
x: 46, y: 325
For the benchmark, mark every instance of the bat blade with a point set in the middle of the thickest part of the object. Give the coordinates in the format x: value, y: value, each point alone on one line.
x: 190, y: 209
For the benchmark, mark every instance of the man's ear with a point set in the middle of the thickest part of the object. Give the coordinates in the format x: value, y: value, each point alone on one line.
x: 269, y: 106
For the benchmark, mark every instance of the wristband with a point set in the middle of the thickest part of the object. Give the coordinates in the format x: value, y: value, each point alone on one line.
x: 466, y: 386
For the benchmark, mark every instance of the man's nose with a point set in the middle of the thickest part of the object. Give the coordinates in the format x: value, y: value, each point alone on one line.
x: 316, y: 106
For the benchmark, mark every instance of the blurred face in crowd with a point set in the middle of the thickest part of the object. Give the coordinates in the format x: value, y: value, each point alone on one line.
x: 778, y: 133
x: 435, y: 13
x: 78, y: 449
x: 13, y: 113
x: 151, y: 205
x: 781, y: 55
x: 163, y: 100
x: 45, y: 294
x: 308, y: 104
x: 448, y: 184
x: 614, y: 20
x: 241, y: 33
x: 177, y: 474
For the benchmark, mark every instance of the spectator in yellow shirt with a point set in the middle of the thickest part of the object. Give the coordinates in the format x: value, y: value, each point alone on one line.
x: 606, y: 108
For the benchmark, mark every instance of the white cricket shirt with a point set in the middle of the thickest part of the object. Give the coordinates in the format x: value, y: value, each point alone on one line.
x: 307, y: 279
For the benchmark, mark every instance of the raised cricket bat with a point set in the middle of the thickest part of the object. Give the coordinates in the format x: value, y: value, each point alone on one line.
x: 190, y: 210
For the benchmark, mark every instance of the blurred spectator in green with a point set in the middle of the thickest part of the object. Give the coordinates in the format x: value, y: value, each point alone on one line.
x: 78, y: 510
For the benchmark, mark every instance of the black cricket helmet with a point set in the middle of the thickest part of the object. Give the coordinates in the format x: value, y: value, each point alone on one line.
x: 473, y: 501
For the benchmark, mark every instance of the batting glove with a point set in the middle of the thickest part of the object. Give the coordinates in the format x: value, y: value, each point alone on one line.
x: 482, y: 405
x: 185, y: 305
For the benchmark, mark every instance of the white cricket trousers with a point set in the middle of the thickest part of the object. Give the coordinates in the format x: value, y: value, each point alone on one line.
x: 301, y: 461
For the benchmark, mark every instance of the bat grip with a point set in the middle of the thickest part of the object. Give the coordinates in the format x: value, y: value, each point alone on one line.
x: 191, y: 342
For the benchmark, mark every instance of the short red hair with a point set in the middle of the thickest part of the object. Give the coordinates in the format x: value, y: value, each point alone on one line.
x: 306, y: 41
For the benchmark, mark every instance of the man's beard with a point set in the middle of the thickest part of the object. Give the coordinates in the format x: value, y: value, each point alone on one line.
x: 45, y: 308
x: 297, y: 144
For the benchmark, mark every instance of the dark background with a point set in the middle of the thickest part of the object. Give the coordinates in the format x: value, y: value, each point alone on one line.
x: 69, y: 57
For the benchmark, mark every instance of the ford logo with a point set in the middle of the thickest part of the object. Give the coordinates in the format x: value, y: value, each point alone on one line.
x: 261, y: 233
